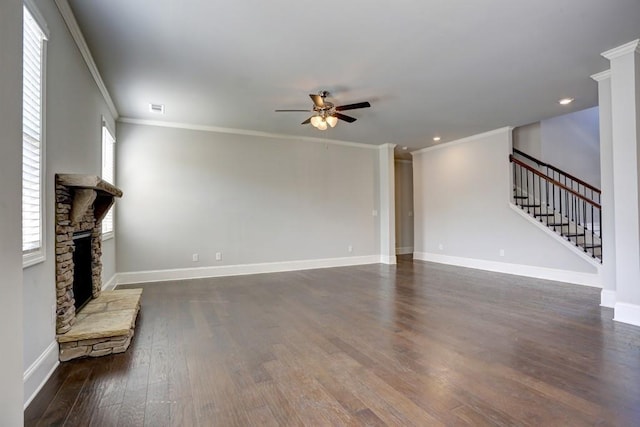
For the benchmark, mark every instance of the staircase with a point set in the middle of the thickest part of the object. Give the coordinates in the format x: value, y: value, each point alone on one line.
x: 567, y: 205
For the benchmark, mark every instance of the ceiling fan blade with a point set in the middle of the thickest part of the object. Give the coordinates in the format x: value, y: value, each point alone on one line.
x: 353, y: 106
x: 317, y: 100
x: 288, y: 111
x: 306, y: 122
x: 348, y: 119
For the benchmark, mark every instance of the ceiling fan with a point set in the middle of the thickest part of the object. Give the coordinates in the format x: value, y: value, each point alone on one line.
x: 326, y: 113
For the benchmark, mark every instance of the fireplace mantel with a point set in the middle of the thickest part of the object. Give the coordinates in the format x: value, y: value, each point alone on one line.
x: 89, y: 190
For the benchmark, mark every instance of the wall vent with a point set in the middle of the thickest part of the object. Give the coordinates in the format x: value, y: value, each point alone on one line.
x: 156, y: 108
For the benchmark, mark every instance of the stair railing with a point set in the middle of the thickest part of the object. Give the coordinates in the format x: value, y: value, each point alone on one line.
x: 566, y: 210
x: 576, y: 184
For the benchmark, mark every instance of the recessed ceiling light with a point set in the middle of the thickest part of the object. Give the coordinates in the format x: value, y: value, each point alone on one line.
x: 156, y: 108
x: 405, y: 148
x: 565, y: 101
x: 436, y: 138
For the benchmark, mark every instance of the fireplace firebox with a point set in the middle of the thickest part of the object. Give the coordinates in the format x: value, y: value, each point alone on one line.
x: 82, y: 273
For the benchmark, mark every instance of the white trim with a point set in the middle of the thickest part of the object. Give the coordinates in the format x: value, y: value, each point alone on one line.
x: 110, y: 284
x: 579, y: 278
x: 608, y: 298
x: 36, y: 375
x: 558, y: 238
x: 464, y: 140
x: 74, y: 29
x: 403, y: 161
x: 240, y: 269
x: 35, y: 12
x: 601, y: 76
x: 216, y: 129
x: 404, y: 250
x: 627, y: 313
x: 389, y: 260
x: 617, y: 52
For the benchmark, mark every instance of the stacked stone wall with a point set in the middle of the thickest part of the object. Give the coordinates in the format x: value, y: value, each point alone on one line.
x: 65, y: 229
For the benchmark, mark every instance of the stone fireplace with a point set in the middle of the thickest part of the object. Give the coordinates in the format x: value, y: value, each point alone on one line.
x: 105, y: 325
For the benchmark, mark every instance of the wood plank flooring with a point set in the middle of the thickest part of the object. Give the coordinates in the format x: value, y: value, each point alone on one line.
x: 414, y: 344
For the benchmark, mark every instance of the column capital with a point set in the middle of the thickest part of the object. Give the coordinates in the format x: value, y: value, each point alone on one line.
x: 625, y: 49
x: 601, y: 76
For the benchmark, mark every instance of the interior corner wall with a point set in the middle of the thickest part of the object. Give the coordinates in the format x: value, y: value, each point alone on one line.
x: 404, y: 206
x: 527, y: 139
x: 462, y: 209
x: 252, y: 199
x: 11, y: 328
x: 73, y: 124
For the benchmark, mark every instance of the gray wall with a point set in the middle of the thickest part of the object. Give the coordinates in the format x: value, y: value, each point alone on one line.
x: 74, y: 107
x: 404, y: 205
x: 570, y: 142
x: 10, y: 215
x: 462, y: 192
x: 254, y: 199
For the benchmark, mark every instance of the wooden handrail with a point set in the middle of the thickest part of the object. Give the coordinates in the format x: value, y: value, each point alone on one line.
x: 553, y: 181
x: 568, y: 175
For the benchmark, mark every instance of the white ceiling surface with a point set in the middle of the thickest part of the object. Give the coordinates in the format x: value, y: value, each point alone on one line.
x: 429, y: 67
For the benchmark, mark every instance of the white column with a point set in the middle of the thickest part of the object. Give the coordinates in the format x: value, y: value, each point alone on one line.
x: 387, y: 205
x: 11, y: 329
x: 625, y: 120
x: 607, y: 226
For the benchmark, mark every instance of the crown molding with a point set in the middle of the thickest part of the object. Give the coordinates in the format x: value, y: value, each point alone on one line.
x: 499, y: 131
x: 616, y: 52
x: 74, y: 29
x: 601, y: 76
x: 216, y: 129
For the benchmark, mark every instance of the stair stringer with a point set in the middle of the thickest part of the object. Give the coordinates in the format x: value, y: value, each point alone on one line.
x: 558, y: 237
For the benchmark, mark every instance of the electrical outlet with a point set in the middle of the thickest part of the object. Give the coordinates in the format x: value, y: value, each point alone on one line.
x: 350, y: 248
x: 218, y: 256
x: 195, y: 257
x: 501, y: 252
x: 374, y: 212
x: 441, y: 246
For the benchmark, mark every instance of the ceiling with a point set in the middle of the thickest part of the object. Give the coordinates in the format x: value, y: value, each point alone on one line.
x: 450, y: 68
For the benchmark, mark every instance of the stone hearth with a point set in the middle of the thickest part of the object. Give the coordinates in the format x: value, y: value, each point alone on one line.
x: 82, y: 201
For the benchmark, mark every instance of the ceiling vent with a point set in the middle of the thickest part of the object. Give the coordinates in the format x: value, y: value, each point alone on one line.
x: 156, y: 108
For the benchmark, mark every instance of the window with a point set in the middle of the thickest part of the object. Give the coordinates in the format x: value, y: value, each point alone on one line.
x: 33, y: 70
x: 108, y: 145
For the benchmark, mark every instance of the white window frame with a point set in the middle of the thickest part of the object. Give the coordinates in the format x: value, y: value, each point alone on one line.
x: 38, y: 255
x: 106, y: 130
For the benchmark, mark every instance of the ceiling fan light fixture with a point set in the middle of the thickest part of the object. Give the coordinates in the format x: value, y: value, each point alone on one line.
x: 332, y: 120
x: 315, y: 121
x: 322, y: 125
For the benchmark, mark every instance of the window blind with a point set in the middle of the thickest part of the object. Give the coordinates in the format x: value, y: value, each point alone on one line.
x: 33, y: 41
x: 108, y: 144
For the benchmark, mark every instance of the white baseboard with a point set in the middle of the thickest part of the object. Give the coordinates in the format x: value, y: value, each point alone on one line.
x: 608, y: 298
x: 36, y: 375
x: 627, y: 313
x: 111, y: 283
x: 240, y: 269
x: 587, y: 279
x: 405, y: 250
x: 388, y: 259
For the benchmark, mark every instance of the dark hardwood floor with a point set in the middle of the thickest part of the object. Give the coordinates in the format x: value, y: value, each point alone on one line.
x: 418, y: 344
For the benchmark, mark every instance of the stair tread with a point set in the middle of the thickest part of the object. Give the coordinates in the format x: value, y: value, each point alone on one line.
x: 563, y: 224
x: 592, y: 246
x: 521, y: 197
x: 544, y: 214
x: 531, y: 206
